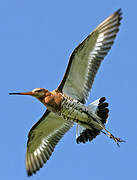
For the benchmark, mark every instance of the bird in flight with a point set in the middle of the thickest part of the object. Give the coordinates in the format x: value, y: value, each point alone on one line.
x: 65, y: 105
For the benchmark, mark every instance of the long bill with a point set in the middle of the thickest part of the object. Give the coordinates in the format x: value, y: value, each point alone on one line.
x: 22, y: 93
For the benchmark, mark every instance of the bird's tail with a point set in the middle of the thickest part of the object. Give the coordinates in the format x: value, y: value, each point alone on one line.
x: 100, y: 109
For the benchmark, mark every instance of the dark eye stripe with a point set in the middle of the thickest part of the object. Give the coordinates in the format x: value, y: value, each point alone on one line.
x: 39, y: 90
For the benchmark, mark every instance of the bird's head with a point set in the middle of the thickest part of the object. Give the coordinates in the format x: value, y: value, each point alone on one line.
x: 39, y: 93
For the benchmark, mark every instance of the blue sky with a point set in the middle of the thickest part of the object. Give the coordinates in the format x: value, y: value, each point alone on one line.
x: 36, y: 40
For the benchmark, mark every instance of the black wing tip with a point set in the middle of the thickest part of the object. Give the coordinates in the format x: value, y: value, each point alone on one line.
x: 30, y: 170
x: 29, y: 174
x: 119, y: 12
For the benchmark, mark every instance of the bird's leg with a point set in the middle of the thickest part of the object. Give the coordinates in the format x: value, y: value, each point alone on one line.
x: 117, y: 140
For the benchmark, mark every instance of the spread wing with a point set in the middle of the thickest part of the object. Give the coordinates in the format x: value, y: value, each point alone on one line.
x: 42, y: 139
x: 87, y: 57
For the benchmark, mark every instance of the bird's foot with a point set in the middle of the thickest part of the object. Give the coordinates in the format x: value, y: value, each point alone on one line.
x: 117, y: 140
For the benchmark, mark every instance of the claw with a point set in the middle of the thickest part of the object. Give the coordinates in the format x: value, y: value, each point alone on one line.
x: 117, y: 140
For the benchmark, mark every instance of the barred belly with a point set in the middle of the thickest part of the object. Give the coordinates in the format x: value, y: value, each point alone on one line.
x: 77, y: 112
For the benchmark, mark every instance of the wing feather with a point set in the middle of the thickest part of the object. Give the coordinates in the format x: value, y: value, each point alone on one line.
x: 87, y: 57
x: 42, y: 139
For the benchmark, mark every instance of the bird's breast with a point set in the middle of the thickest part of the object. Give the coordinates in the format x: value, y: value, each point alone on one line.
x: 53, y: 101
x: 73, y: 110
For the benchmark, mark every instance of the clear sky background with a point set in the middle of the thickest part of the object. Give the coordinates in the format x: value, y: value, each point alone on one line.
x: 36, y: 40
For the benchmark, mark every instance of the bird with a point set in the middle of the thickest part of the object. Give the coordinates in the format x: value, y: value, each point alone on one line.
x: 65, y: 105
